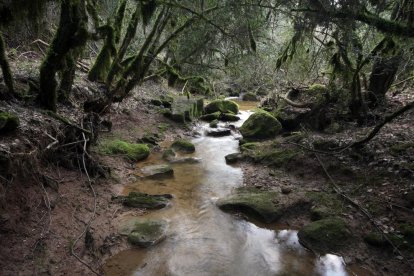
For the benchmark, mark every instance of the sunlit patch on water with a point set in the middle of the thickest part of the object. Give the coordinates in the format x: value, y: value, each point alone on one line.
x: 203, y: 240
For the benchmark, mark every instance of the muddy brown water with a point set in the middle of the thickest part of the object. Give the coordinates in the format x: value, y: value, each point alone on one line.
x: 203, y: 240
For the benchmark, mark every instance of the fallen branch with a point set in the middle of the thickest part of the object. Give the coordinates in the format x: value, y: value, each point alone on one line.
x: 295, y: 104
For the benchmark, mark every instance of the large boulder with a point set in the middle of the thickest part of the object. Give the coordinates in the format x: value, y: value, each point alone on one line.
x: 140, y: 200
x: 324, y: 236
x: 260, y: 125
x: 261, y: 205
x: 144, y: 233
x: 224, y: 106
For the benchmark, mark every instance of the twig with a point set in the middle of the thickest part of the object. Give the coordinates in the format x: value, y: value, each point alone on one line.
x: 94, y: 209
x: 55, y: 141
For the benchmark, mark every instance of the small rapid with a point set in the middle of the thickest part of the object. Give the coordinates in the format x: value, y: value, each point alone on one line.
x: 203, y: 240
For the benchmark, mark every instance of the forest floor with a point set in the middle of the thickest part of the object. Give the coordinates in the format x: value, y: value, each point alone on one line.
x: 44, y: 207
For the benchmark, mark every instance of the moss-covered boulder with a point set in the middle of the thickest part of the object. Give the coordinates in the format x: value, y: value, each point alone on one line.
x: 134, y: 152
x: 249, y: 97
x: 140, y: 200
x: 260, y: 125
x: 228, y: 117
x: 262, y: 205
x: 324, y: 205
x: 223, y: 106
x: 157, y: 171
x: 183, y: 146
x: 211, y: 117
x: 326, y: 235
x: 8, y: 122
x: 376, y: 239
x: 144, y: 233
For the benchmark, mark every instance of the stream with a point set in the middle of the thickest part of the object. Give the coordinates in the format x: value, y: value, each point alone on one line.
x: 203, y: 240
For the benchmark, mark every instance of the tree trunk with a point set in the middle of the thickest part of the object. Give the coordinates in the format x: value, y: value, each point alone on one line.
x: 382, y: 76
x: 72, y: 33
x: 5, y: 67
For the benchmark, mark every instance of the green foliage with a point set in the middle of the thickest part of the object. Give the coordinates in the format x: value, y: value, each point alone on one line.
x: 134, y: 152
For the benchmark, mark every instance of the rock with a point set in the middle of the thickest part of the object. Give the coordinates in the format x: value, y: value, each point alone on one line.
x: 188, y: 160
x: 214, y: 124
x: 324, y: 205
x: 8, y: 122
x: 286, y: 190
x: 140, y: 200
x: 376, y: 240
x: 219, y: 132
x: 184, y: 109
x: 149, y: 139
x: 145, y: 233
x: 156, y: 102
x: 410, y: 198
x: 324, y: 236
x: 249, y: 97
x: 183, y: 146
x: 260, y: 125
x: 224, y: 106
x: 211, y: 117
x: 157, y: 171
x: 168, y: 155
x: 134, y: 152
x: 227, y: 117
x: 259, y: 204
x: 233, y: 158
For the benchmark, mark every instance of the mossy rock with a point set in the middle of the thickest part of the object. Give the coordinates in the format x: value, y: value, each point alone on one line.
x: 261, y: 125
x: 157, y: 171
x: 324, y: 205
x: 168, y: 154
x: 140, y: 200
x: 145, y: 233
x: 150, y: 139
x: 223, y: 106
x: 252, y: 202
x: 214, y: 124
x: 156, y: 102
x: 249, y: 97
x: 318, y: 88
x: 326, y: 235
x: 211, y: 117
x: 134, y: 152
x: 8, y: 122
x: 228, y: 117
x: 249, y: 146
x: 276, y: 157
x: 183, y: 146
x: 233, y: 158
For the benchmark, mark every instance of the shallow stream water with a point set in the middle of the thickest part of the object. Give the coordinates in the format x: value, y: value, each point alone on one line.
x: 203, y: 240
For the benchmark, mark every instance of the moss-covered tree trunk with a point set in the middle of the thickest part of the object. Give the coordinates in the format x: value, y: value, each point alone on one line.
x: 5, y: 67
x: 71, y: 34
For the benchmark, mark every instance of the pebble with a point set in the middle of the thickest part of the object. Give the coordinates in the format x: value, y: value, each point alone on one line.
x: 286, y: 190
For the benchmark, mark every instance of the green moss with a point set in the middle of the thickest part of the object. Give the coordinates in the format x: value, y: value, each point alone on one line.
x: 324, y: 205
x: 228, y: 117
x: 183, y: 146
x: 259, y: 204
x: 8, y: 122
x: 250, y: 97
x: 211, y: 117
x: 224, y: 106
x: 140, y: 200
x: 249, y: 146
x: 214, y: 124
x: 134, y: 152
x: 408, y: 231
x: 260, y: 125
x: 376, y: 239
x: 318, y: 88
x: 324, y: 236
x: 276, y: 157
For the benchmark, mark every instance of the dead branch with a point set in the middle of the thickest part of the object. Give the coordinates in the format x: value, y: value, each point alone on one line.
x: 295, y: 104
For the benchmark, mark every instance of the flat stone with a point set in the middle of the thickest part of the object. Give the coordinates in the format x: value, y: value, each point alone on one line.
x: 163, y: 170
x: 144, y: 233
x: 219, y: 132
x: 140, y: 200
